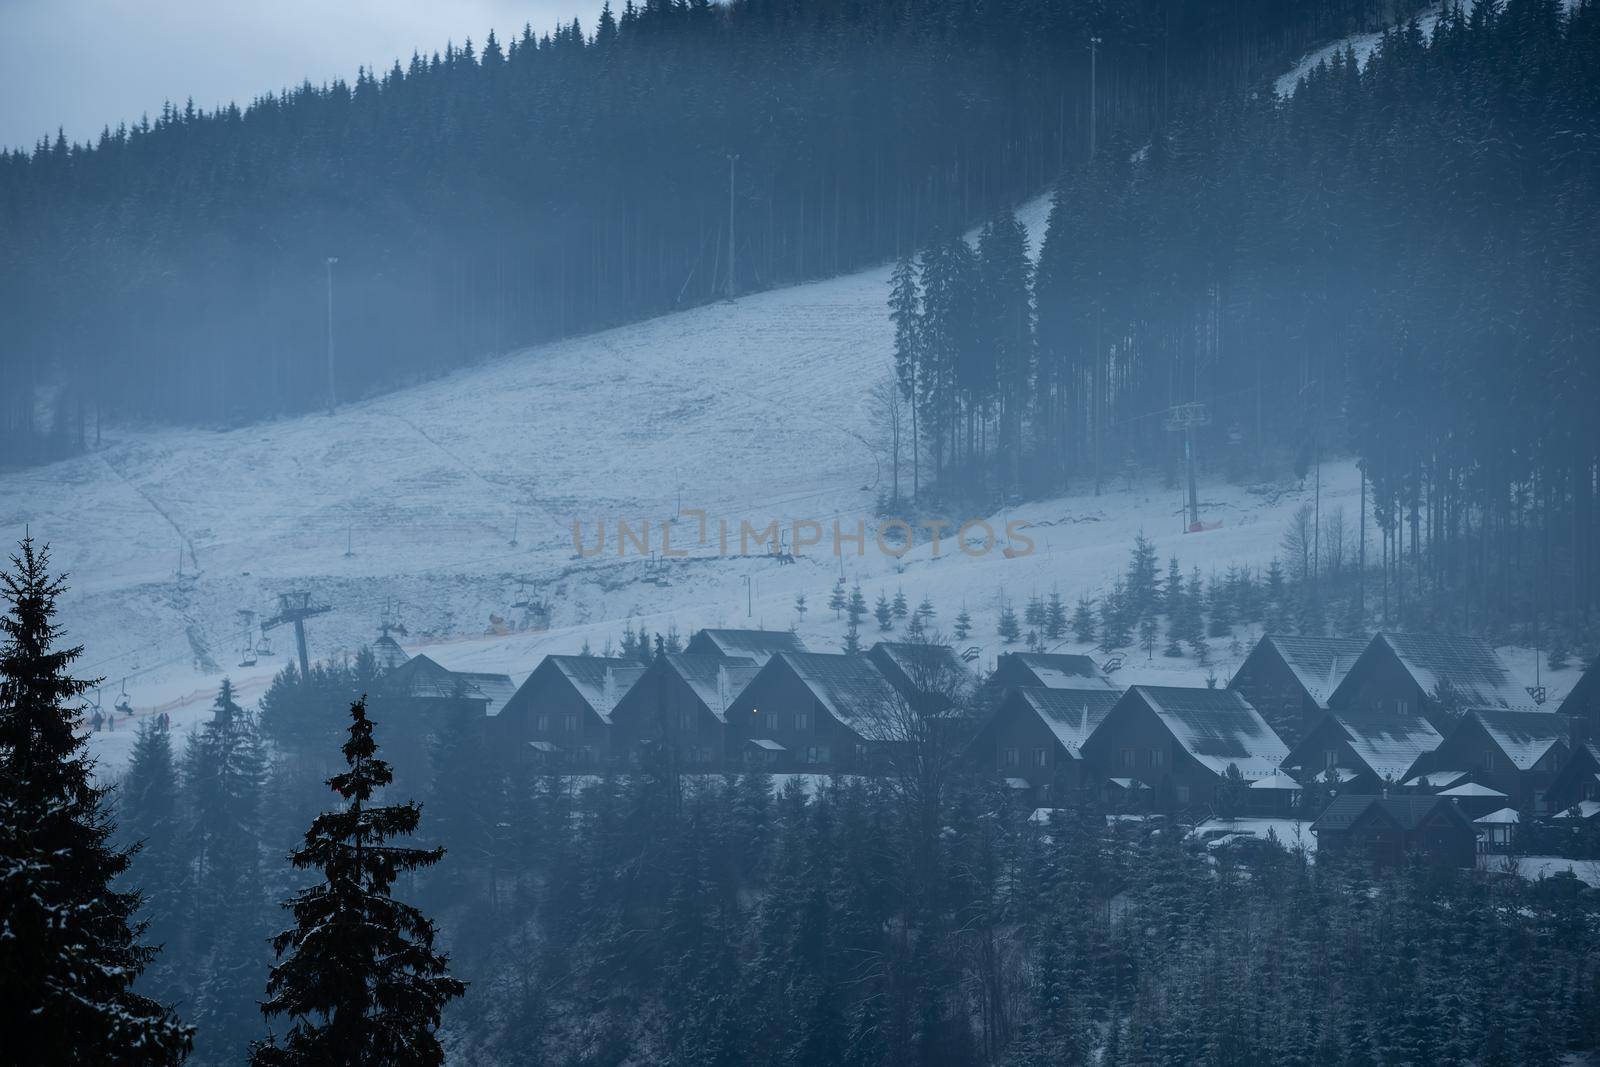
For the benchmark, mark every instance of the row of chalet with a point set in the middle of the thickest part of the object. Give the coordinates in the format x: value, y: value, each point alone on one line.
x: 1420, y: 714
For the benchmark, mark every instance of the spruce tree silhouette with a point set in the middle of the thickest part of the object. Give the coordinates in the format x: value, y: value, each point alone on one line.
x: 358, y: 974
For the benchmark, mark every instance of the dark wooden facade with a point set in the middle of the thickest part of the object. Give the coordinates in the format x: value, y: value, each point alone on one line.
x: 1289, y: 679
x: 1518, y: 753
x: 1387, y: 830
x: 1036, y: 735
x: 813, y: 704
x: 1582, y: 705
x: 1577, y: 780
x: 673, y: 707
x: 1370, y: 751
x: 1403, y: 673
x: 1048, y: 670
x: 561, y: 715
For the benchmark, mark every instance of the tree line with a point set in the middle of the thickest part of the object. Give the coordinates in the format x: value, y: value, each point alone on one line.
x: 1393, y: 261
x: 541, y: 185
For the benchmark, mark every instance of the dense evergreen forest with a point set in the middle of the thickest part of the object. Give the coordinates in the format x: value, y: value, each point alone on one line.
x: 1396, y: 261
x: 537, y: 186
x: 720, y: 920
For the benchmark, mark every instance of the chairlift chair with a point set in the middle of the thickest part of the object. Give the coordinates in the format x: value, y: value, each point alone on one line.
x: 123, y: 705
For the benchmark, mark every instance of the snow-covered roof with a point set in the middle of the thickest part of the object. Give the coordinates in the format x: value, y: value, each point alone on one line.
x: 1468, y: 665
x: 1127, y: 783
x: 1389, y: 743
x: 387, y: 651
x: 1586, y: 809
x: 600, y: 680
x: 1318, y: 663
x: 921, y: 664
x: 1277, y: 780
x: 1524, y: 736
x: 1501, y: 817
x: 767, y: 744
x: 716, y: 680
x: 1070, y: 714
x: 1218, y: 727
x: 421, y: 678
x: 1057, y: 670
x: 1436, y: 779
x: 851, y: 687
x: 757, y: 645
x: 1470, y: 789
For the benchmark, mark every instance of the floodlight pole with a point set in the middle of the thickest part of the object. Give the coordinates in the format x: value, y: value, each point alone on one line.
x: 332, y: 395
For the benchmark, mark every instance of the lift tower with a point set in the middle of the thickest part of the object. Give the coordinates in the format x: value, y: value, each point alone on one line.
x: 296, y: 608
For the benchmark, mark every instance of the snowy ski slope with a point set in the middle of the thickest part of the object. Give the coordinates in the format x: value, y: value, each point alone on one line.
x: 436, y: 502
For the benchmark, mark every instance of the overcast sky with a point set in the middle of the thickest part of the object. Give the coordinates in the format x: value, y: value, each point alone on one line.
x: 85, y: 64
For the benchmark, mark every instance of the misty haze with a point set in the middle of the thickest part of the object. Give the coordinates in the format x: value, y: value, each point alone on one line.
x: 800, y: 532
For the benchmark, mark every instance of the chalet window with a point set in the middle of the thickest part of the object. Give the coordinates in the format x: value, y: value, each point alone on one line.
x: 688, y: 722
x: 802, y: 720
x: 1012, y: 757
x: 774, y: 722
x: 1330, y: 759
x: 861, y: 752
x: 572, y: 723
x: 1488, y: 760
x: 1038, y: 757
x: 1129, y: 761
x: 1183, y: 794
x: 1157, y: 757
x: 1401, y: 706
x: 541, y: 723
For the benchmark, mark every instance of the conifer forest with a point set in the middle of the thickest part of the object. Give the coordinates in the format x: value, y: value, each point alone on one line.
x: 809, y: 532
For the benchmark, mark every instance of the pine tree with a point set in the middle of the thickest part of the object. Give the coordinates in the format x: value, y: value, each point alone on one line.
x: 1083, y: 621
x: 71, y: 949
x: 1141, y: 581
x: 925, y: 610
x: 800, y: 607
x: 963, y: 627
x: 1055, y: 618
x: 852, y: 637
x: 1033, y: 614
x: 882, y: 612
x: 904, y: 312
x: 357, y: 972
x: 857, y: 607
x: 147, y: 817
x: 1148, y: 632
x: 837, y: 599
x: 899, y: 605
x: 1008, y: 629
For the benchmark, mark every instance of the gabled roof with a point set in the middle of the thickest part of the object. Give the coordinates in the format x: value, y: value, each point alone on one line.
x: 387, y: 651
x: 1470, y: 667
x: 757, y: 645
x: 1410, y: 812
x: 716, y: 680
x: 1319, y: 664
x: 600, y: 681
x: 1218, y: 727
x: 1055, y: 670
x: 850, y: 687
x: 1524, y: 736
x: 1070, y: 714
x: 919, y: 663
x: 1585, y: 694
x: 1389, y: 744
x: 1435, y: 779
x: 421, y: 678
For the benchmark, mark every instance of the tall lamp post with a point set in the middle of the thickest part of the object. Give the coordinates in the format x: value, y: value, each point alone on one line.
x: 1094, y: 56
x: 333, y: 397
x: 733, y: 163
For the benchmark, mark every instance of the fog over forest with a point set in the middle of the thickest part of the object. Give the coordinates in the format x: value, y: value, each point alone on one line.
x: 800, y: 531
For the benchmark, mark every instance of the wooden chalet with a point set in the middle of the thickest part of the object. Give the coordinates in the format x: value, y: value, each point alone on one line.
x: 417, y: 701
x: 1388, y: 829
x: 1363, y: 753
x: 1436, y: 675
x: 1578, y: 780
x: 1180, y: 743
x: 818, y: 711
x: 1035, y: 739
x: 561, y: 715
x: 1582, y: 704
x: 1517, y: 753
x: 1289, y: 679
x: 932, y: 675
x: 679, y: 706
x: 1048, y: 670
x: 755, y: 645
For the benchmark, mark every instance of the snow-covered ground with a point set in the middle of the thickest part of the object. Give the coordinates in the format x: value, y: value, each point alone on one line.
x: 437, y: 503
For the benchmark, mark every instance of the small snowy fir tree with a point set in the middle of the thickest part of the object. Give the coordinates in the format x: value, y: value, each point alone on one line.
x: 963, y: 627
x: 925, y: 610
x: 586, y: 652
x: 852, y: 638
x: 857, y: 608
x: 358, y: 973
x: 70, y: 953
x: 674, y: 642
x: 800, y: 608
x: 1055, y: 618
x: 1033, y: 614
x: 1083, y: 621
x: 1142, y: 573
x: 882, y: 612
x: 1008, y: 628
x: 900, y: 608
x: 1148, y: 633
x: 917, y: 628
x: 838, y: 598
